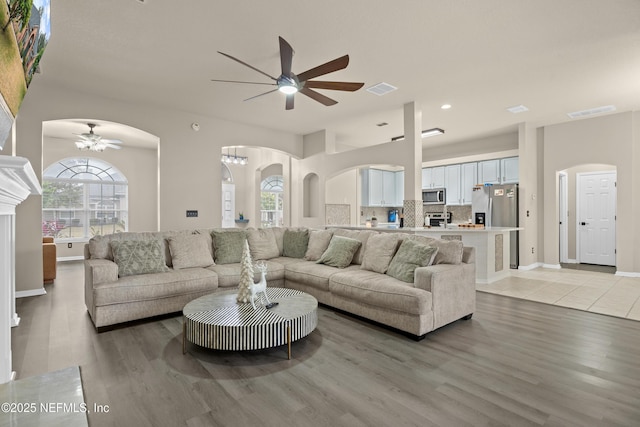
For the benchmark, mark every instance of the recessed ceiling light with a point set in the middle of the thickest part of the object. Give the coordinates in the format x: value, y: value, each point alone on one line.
x: 381, y: 89
x: 592, y: 111
x: 517, y: 109
x: 445, y: 106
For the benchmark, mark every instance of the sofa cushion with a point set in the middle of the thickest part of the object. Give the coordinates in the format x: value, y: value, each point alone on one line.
x: 449, y: 251
x: 318, y: 243
x: 138, y: 257
x: 312, y: 274
x: 262, y: 243
x: 340, y: 252
x: 229, y: 274
x: 410, y: 256
x: 155, y: 286
x: 228, y: 245
x: 190, y: 250
x: 380, y: 290
x: 379, y: 251
x: 362, y: 235
x: 295, y: 243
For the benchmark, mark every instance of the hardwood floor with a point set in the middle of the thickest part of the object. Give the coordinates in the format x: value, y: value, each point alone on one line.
x: 516, y: 363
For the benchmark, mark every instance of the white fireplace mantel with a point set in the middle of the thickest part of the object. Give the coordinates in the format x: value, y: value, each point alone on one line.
x: 17, y: 182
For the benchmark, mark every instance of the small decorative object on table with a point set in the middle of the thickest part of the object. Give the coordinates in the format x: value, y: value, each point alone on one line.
x: 240, y: 216
x: 247, y: 290
x: 374, y: 221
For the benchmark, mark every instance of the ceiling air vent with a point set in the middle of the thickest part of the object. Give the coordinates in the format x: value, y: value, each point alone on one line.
x: 517, y: 109
x: 381, y: 89
x: 592, y: 111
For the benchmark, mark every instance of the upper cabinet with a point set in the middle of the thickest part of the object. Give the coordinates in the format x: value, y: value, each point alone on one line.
x: 433, y: 177
x: 468, y: 179
x: 510, y: 170
x: 452, y: 184
x: 380, y: 187
x: 489, y: 172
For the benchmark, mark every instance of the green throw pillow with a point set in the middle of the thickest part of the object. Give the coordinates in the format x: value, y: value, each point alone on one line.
x: 295, y: 243
x: 410, y: 256
x: 340, y: 252
x: 227, y: 246
x: 138, y: 257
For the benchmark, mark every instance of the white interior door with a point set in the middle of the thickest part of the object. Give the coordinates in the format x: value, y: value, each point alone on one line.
x: 563, y: 218
x: 597, y: 218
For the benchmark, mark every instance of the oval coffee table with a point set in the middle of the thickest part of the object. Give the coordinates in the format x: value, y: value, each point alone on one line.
x: 218, y: 322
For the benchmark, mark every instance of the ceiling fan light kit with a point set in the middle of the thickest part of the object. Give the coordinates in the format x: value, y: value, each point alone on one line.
x: 91, y: 141
x: 290, y: 83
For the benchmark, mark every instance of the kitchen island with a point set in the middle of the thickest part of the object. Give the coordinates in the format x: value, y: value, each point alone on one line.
x: 491, y: 243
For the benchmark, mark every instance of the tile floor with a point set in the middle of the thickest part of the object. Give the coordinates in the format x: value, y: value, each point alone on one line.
x: 597, y: 292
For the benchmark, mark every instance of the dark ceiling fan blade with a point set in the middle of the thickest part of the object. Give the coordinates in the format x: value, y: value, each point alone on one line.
x: 326, y: 68
x: 318, y: 96
x: 253, y: 97
x: 286, y: 57
x: 347, y: 86
x: 247, y: 65
x: 289, y: 104
x: 237, y: 81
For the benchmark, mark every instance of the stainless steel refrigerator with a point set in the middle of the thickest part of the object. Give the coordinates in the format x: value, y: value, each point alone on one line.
x: 499, y: 203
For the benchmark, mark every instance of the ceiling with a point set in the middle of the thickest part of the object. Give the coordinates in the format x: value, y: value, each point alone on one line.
x: 481, y: 57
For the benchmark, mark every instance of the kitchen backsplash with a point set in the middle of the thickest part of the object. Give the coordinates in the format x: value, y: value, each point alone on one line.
x: 459, y: 214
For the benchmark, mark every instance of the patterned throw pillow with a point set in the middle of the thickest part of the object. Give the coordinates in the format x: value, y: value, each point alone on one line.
x: 295, y: 243
x: 138, y: 257
x: 410, y: 256
x: 189, y: 250
x: 228, y: 245
x: 340, y: 252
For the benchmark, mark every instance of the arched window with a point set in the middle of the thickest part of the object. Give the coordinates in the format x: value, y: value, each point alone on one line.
x: 83, y: 197
x: 271, y: 202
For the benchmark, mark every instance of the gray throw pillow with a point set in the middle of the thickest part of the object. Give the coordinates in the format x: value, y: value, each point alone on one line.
x: 340, y: 252
x: 188, y: 251
x: 295, y: 243
x: 138, y: 257
x: 410, y: 256
x: 262, y: 243
x: 449, y: 251
x: 318, y: 243
x: 228, y: 245
x: 379, y: 252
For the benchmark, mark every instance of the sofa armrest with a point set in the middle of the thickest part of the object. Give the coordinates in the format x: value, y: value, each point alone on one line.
x: 453, y: 290
x: 97, y: 271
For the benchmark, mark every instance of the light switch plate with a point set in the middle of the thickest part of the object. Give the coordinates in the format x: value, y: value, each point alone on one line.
x: 192, y: 214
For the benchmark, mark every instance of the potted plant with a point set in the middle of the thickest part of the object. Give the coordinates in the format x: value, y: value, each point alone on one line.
x: 241, y: 216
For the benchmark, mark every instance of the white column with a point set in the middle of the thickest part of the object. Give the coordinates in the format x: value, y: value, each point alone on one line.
x: 17, y: 182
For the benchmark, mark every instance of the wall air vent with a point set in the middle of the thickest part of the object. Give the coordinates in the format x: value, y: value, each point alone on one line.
x: 381, y: 89
x: 592, y: 111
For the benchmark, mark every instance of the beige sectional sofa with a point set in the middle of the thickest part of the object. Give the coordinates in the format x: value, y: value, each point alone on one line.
x: 412, y: 283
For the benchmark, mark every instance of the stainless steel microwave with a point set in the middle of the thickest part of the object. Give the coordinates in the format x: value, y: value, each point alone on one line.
x: 434, y: 196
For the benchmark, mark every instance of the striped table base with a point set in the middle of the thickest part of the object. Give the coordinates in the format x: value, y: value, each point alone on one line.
x: 218, y: 322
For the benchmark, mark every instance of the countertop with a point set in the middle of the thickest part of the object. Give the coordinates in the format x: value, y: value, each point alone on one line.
x: 451, y: 228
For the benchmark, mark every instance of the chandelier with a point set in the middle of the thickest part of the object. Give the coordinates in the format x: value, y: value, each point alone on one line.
x: 234, y: 158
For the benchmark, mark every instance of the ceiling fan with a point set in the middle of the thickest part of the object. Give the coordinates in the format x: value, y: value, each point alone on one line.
x: 290, y: 83
x: 93, y: 142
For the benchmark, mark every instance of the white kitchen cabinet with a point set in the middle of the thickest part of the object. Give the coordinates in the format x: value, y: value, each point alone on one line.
x: 379, y: 188
x: 452, y: 184
x: 433, y: 177
x: 509, y: 168
x: 489, y: 172
x: 399, y: 189
x: 468, y: 179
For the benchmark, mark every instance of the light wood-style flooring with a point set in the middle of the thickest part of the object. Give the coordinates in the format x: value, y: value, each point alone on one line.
x: 516, y: 363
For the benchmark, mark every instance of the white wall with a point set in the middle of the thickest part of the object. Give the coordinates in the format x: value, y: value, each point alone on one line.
x: 189, y: 161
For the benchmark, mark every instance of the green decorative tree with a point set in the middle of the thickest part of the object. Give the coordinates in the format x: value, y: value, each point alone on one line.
x: 246, y: 275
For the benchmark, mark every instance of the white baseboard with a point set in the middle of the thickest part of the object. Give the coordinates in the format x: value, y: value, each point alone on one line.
x: 530, y: 266
x: 571, y: 261
x: 627, y: 274
x: 30, y: 293
x: 70, y: 258
x: 554, y: 266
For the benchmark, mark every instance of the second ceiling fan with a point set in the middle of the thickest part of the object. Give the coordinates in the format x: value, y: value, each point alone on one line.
x: 290, y: 83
